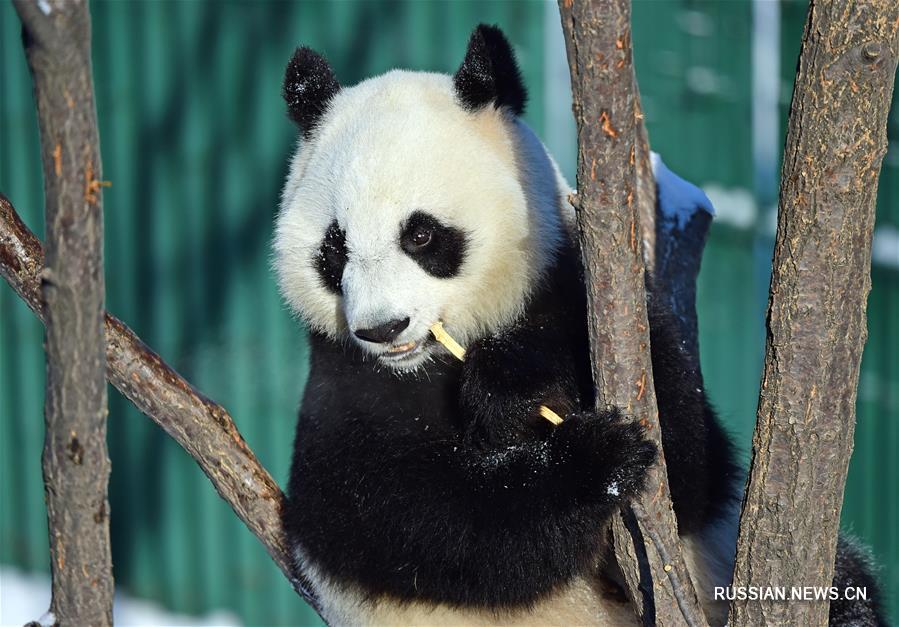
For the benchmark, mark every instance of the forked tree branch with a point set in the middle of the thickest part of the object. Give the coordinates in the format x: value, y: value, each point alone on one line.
x: 203, y: 428
x: 57, y: 40
x: 598, y: 40
x: 75, y: 460
x: 836, y: 139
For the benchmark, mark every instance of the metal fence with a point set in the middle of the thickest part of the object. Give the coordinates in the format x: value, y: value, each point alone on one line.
x: 195, y: 142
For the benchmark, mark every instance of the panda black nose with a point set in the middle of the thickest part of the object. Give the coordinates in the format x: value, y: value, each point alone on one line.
x: 383, y: 333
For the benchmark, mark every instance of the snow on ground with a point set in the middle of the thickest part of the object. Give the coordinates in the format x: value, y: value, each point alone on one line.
x: 25, y: 597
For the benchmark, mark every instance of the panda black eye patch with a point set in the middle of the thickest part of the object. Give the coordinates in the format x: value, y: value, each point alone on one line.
x: 438, y: 248
x: 330, y: 260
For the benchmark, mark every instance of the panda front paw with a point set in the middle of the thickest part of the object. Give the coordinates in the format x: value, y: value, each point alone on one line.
x: 604, y: 456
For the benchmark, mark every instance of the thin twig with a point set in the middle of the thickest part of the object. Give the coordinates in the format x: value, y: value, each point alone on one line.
x: 677, y: 586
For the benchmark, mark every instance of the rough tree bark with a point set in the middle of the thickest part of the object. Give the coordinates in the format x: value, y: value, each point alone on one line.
x: 598, y: 40
x: 203, y: 428
x: 75, y: 461
x: 836, y: 140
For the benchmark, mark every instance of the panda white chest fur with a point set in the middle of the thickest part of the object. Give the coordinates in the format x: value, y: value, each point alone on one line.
x: 428, y: 491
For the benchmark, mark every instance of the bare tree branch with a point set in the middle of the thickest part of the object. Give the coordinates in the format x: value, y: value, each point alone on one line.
x: 836, y: 140
x: 75, y: 459
x: 203, y: 428
x: 598, y: 39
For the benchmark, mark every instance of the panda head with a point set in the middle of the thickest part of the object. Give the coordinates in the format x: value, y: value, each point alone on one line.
x: 415, y: 198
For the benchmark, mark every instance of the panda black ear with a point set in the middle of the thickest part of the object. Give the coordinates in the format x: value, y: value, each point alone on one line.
x: 489, y: 73
x: 309, y: 84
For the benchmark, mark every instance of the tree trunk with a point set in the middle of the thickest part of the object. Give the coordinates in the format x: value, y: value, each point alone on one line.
x: 836, y: 140
x: 598, y: 40
x: 75, y: 461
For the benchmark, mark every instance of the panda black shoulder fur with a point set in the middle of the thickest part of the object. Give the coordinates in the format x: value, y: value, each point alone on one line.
x: 428, y: 491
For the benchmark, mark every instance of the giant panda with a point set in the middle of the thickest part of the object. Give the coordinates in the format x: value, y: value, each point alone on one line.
x: 428, y: 491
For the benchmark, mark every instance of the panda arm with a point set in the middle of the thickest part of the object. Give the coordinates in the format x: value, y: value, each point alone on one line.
x: 441, y: 520
x: 705, y: 480
x: 544, y: 360
x: 506, y: 377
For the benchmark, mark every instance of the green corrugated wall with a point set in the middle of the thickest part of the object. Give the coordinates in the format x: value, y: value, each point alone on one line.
x: 195, y: 142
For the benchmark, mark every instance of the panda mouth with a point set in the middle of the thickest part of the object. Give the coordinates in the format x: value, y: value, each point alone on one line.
x: 403, y: 349
x: 401, y: 352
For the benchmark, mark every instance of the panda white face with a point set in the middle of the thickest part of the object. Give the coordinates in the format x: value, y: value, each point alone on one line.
x: 403, y: 208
